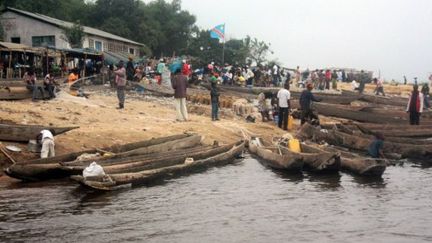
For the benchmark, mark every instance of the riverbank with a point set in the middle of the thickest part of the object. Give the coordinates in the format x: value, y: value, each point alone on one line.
x: 145, y: 116
x: 101, y: 124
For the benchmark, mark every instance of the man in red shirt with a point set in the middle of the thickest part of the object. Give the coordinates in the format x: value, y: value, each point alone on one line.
x: 186, y: 69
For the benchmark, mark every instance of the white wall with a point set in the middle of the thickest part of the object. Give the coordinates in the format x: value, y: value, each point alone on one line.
x: 16, y: 25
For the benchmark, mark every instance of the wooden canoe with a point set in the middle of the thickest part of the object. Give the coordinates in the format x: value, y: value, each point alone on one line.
x: 376, y: 99
x: 359, y: 130
x: 51, y: 168
x: 326, y: 97
x: 13, y: 93
x: 357, y: 164
x: 20, y: 82
x: 116, y: 148
x: 272, y: 158
x: 347, y: 112
x: 134, y: 162
x: 421, y: 152
x: 114, y: 181
x: 24, y: 133
x: 280, y: 157
x: 373, y: 126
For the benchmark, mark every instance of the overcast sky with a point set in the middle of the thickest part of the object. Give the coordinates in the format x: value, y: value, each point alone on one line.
x: 393, y: 36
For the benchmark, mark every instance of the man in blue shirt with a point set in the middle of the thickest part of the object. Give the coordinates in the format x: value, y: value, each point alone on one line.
x: 375, y: 149
x: 306, y: 99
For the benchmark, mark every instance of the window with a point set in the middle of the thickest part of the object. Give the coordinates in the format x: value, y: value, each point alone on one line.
x: 91, y: 43
x: 38, y: 41
x: 98, y: 45
x: 132, y: 51
x: 16, y: 40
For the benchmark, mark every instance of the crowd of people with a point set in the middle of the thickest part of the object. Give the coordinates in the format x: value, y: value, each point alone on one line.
x: 272, y: 106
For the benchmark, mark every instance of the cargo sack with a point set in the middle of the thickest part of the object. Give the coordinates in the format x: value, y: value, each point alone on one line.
x: 93, y: 170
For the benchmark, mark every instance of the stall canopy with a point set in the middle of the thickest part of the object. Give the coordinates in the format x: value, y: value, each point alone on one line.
x: 80, y: 53
x: 8, y: 46
x: 114, y: 58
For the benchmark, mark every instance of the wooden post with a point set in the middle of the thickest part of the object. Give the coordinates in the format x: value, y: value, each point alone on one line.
x: 8, y: 74
x: 85, y: 59
x: 47, y: 61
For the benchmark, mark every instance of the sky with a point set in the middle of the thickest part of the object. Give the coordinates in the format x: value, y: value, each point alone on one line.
x: 390, y: 37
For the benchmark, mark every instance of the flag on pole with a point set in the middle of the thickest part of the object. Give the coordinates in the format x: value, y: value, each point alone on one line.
x: 218, y: 32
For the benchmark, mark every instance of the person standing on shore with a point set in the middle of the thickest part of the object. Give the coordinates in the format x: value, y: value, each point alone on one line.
x: 179, y: 83
x: 379, y: 87
x: 214, y: 96
x: 362, y: 82
x: 46, y: 138
x: 284, y: 97
x: 425, y: 92
x: 130, y: 70
x: 415, y: 106
x: 121, y: 84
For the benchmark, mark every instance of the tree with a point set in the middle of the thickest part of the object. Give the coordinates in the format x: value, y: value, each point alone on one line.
x: 258, y: 50
x: 1, y: 33
x: 74, y: 35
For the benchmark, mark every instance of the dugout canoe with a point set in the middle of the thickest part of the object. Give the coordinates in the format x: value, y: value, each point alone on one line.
x: 334, y: 137
x: 141, y: 162
x: 350, y: 113
x: 326, y: 97
x: 114, y: 181
x: 357, y: 164
x: 376, y: 99
x: 24, y: 133
x: 51, y: 168
x: 280, y: 157
x: 359, y: 130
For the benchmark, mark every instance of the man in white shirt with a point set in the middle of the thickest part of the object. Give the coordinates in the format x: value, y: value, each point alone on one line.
x: 284, y: 97
x: 47, y: 140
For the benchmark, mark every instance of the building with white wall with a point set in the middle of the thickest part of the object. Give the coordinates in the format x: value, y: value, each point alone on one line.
x: 38, y: 30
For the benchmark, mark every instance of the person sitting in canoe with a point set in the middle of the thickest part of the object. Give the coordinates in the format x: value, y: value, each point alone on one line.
x: 306, y: 99
x: 30, y: 79
x: 375, y: 149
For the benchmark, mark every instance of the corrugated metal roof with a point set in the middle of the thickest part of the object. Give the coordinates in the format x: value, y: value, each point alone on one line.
x: 61, y: 23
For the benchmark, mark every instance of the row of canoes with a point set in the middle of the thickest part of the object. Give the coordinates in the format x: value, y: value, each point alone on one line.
x: 131, y: 164
x: 315, y: 158
x: 145, y: 161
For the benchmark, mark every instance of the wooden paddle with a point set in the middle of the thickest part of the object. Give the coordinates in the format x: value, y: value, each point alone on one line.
x: 3, y: 150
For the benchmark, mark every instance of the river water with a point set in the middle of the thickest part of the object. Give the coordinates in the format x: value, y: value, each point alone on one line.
x: 243, y: 202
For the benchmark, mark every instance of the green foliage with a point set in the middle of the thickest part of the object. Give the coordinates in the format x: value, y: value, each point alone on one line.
x: 258, y: 50
x: 1, y: 33
x: 74, y: 35
x: 162, y: 25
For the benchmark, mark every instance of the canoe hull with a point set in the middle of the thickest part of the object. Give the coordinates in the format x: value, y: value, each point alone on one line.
x: 24, y: 133
x: 114, y: 181
x: 276, y: 161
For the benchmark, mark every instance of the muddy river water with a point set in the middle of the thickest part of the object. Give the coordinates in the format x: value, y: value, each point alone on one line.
x: 243, y: 202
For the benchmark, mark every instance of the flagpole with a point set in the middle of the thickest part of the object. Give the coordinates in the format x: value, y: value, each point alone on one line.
x: 223, y: 53
x: 223, y: 48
